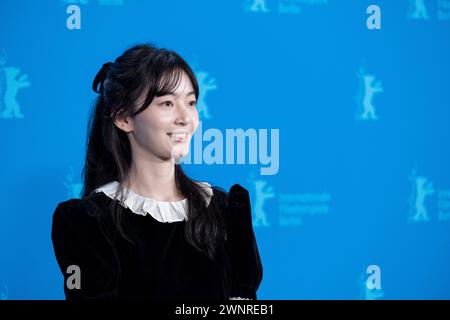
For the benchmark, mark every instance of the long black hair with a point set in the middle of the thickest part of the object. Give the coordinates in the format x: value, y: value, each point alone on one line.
x: 143, y: 69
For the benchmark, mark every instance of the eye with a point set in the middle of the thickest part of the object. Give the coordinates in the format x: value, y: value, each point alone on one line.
x: 167, y: 103
x: 193, y: 103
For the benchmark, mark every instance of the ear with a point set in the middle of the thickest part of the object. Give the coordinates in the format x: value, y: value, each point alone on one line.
x: 124, y: 123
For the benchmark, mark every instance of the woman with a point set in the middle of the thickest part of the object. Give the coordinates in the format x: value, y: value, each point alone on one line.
x: 143, y: 229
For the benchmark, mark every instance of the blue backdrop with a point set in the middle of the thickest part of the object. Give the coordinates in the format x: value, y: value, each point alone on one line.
x: 342, y: 137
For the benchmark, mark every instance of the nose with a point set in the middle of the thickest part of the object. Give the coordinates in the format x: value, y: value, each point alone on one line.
x: 182, y: 115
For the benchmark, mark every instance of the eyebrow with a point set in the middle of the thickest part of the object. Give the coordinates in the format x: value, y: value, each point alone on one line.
x: 187, y: 94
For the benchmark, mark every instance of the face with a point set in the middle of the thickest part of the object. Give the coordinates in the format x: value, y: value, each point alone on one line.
x: 164, y: 129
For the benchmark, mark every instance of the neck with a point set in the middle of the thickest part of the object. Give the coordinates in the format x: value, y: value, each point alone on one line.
x: 154, y: 178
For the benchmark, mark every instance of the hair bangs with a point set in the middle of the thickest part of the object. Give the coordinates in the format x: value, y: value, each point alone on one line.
x: 168, y: 82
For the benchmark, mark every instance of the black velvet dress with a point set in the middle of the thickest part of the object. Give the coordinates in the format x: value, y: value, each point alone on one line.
x: 161, y: 265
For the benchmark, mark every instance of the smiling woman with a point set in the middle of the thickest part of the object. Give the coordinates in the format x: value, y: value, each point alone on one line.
x: 143, y: 229
x: 172, y: 113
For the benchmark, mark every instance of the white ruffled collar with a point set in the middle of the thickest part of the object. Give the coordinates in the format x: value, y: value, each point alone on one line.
x: 163, y: 211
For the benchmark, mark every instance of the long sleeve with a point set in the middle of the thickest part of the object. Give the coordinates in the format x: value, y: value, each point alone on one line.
x: 246, y: 267
x: 79, y: 240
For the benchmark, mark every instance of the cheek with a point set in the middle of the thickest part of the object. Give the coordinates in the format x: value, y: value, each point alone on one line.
x: 153, y: 120
x: 147, y: 129
x: 195, y: 119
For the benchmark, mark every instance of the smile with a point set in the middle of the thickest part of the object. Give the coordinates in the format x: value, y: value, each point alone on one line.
x: 178, y: 136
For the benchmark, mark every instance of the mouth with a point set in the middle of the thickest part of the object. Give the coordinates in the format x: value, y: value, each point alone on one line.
x: 178, y: 136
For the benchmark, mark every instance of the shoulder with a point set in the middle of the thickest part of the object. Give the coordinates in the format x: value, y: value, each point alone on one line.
x: 74, y: 213
x: 236, y: 195
x: 73, y: 208
x: 79, y: 225
x: 235, y: 203
x: 68, y: 210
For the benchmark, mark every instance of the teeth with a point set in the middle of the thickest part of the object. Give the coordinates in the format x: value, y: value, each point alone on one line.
x: 179, y: 135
